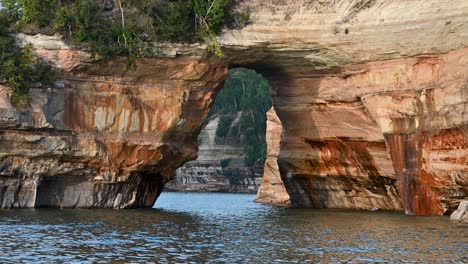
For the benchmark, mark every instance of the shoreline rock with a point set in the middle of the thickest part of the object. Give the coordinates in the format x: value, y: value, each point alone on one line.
x: 372, y: 101
x: 272, y: 190
x: 461, y: 214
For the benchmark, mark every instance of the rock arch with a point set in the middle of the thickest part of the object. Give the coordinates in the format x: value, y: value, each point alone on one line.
x: 353, y: 81
x: 372, y: 96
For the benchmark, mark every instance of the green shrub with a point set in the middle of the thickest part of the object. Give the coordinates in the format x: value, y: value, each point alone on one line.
x: 224, y: 125
x: 39, y: 12
x: 210, y: 17
x: 244, y: 17
x: 19, y: 68
x: 247, y: 92
x: 225, y: 162
x: 91, y: 22
x: 238, y: 19
x: 171, y: 21
x: 86, y: 22
x: 187, y: 21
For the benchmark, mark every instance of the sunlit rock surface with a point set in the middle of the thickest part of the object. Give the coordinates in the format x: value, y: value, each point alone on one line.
x: 372, y: 96
x: 352, y: 134
x: 272, y: 190
x: 207, y: 173
x: 103, y: 137
x: 461, y: 214
x: 339, y: 127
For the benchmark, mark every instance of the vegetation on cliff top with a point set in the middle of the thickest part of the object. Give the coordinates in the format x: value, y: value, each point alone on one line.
x: 108, y: 27
x: 242, y: 105
x: 124, y: 28
x: 19, y: 68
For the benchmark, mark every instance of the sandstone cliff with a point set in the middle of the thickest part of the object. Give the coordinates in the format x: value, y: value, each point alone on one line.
x: 232, y: 146
x: 372, y: 96
x: 102, y: 137
x: 461, y: 214
x: 207, y: 173
x: 272, y: 190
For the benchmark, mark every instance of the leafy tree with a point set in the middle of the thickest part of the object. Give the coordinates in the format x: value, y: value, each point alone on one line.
x: 248, y: 93
x: 210, y: 19
x: 224, y: 125
x: 18, y: 67
x: 125, y: 27
x: 39, y: 12
x: 225, y: 162
x: 85, y: 21
x: 122, y: 28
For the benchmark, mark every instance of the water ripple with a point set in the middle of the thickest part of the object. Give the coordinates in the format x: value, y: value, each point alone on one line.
x: 220, y: 228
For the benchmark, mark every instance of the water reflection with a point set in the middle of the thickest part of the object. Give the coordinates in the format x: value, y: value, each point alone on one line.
x: 227, y: 228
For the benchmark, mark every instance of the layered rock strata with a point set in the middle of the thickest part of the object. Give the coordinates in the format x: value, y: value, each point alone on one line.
x: 372, y: 96
x: 352, y: 136
x: 208, y: 173
x: 272, y: 190
x: 103, y: 136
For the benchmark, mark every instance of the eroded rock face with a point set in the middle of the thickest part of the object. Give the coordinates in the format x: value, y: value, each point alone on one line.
x: 207, y: 173
x: 372, y: 96
x: 272, y: 190
x: 461, y: 214
x: 104, y: 137
x: 341, y: 125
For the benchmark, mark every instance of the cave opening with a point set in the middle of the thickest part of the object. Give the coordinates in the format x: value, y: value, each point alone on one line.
x: 232, y: 145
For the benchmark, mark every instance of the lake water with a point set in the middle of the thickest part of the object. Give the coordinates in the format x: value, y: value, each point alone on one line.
x: 220, y: 228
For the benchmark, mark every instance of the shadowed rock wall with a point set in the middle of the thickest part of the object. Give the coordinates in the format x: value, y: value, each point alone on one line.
x: 355, y: 134
x: 103, y: 136
x: 372, y: 96
x: 207, y: 174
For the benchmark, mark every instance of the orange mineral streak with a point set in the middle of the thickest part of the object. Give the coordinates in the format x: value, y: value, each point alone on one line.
x: 417, y: 187
x: 402, y: 102
x: 345, y: 157
x: 74, y: 116
x: 126, y: 155
x: 115, y: 136
x: 402, y: 61
x: 448, y: 139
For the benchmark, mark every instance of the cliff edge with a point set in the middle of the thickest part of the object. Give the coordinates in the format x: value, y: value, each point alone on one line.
x: 371, y: 94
